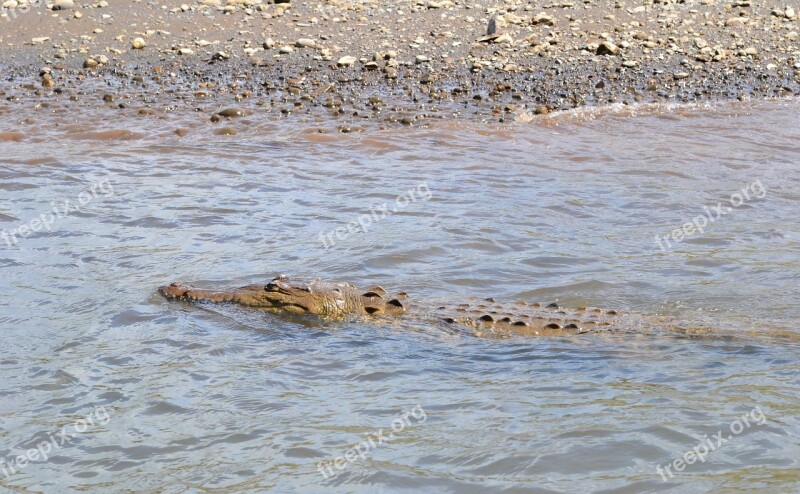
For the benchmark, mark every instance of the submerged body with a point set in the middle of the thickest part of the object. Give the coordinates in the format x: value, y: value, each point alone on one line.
x: 336, y: 300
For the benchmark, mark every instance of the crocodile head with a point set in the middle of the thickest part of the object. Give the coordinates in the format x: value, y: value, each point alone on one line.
x: 282, y: 294
x: 318, y: 297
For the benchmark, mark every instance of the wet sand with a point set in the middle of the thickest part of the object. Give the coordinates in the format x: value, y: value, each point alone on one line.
x: 391, y: 63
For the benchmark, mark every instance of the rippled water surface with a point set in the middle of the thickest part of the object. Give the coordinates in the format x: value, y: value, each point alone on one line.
x: 195, y: 398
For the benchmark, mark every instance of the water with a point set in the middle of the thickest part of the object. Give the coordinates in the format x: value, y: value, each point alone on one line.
x: 185, y: 398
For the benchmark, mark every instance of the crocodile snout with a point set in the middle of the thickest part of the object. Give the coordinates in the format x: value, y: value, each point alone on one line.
x: 173, y: 290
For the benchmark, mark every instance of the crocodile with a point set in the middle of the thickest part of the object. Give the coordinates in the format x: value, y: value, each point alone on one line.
x: 483, y: 317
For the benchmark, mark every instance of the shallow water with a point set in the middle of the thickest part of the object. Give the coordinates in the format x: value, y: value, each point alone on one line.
x: 187, y: 398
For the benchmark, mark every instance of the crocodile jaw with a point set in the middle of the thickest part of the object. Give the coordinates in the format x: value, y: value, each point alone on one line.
x: 324, y: 299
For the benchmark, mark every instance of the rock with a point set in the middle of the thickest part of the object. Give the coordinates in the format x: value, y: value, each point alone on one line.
x: 269, y: 43
x: 607, y: 48
x: 185, y: 51
x: 346, y: 61
x: 421, y: 59
x: 680, y: 75
x: 138, y: 43
x: 90, y: 63
x: 789, y: 13
x: 629, y: 64
x: 305, y: 43
x: 543, y: 19
x: 514, y: 19
x: 231, y: 113
x: 286, y: 50
x: 63, y: 4
x: 504, y: 38
x: 491, y: 28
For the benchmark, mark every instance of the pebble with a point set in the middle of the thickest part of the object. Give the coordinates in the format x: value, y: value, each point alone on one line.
x: 305, y: 43
x: 63, y: 4
x: 138, y: 43
x: 346, y: 61
x: 543, y: 19
x: 607, y: 48
x: 231, y: 113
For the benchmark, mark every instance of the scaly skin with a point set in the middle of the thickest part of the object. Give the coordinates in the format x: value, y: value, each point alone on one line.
x: 335, y: 300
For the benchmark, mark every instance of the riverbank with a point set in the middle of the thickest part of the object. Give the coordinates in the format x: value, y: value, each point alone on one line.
x: 386, y: 63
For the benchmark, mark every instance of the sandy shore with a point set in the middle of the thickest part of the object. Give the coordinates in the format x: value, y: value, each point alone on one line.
x: 393, y: 62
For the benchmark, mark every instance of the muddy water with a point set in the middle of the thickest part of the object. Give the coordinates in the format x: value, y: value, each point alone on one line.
x: 168, y: 397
